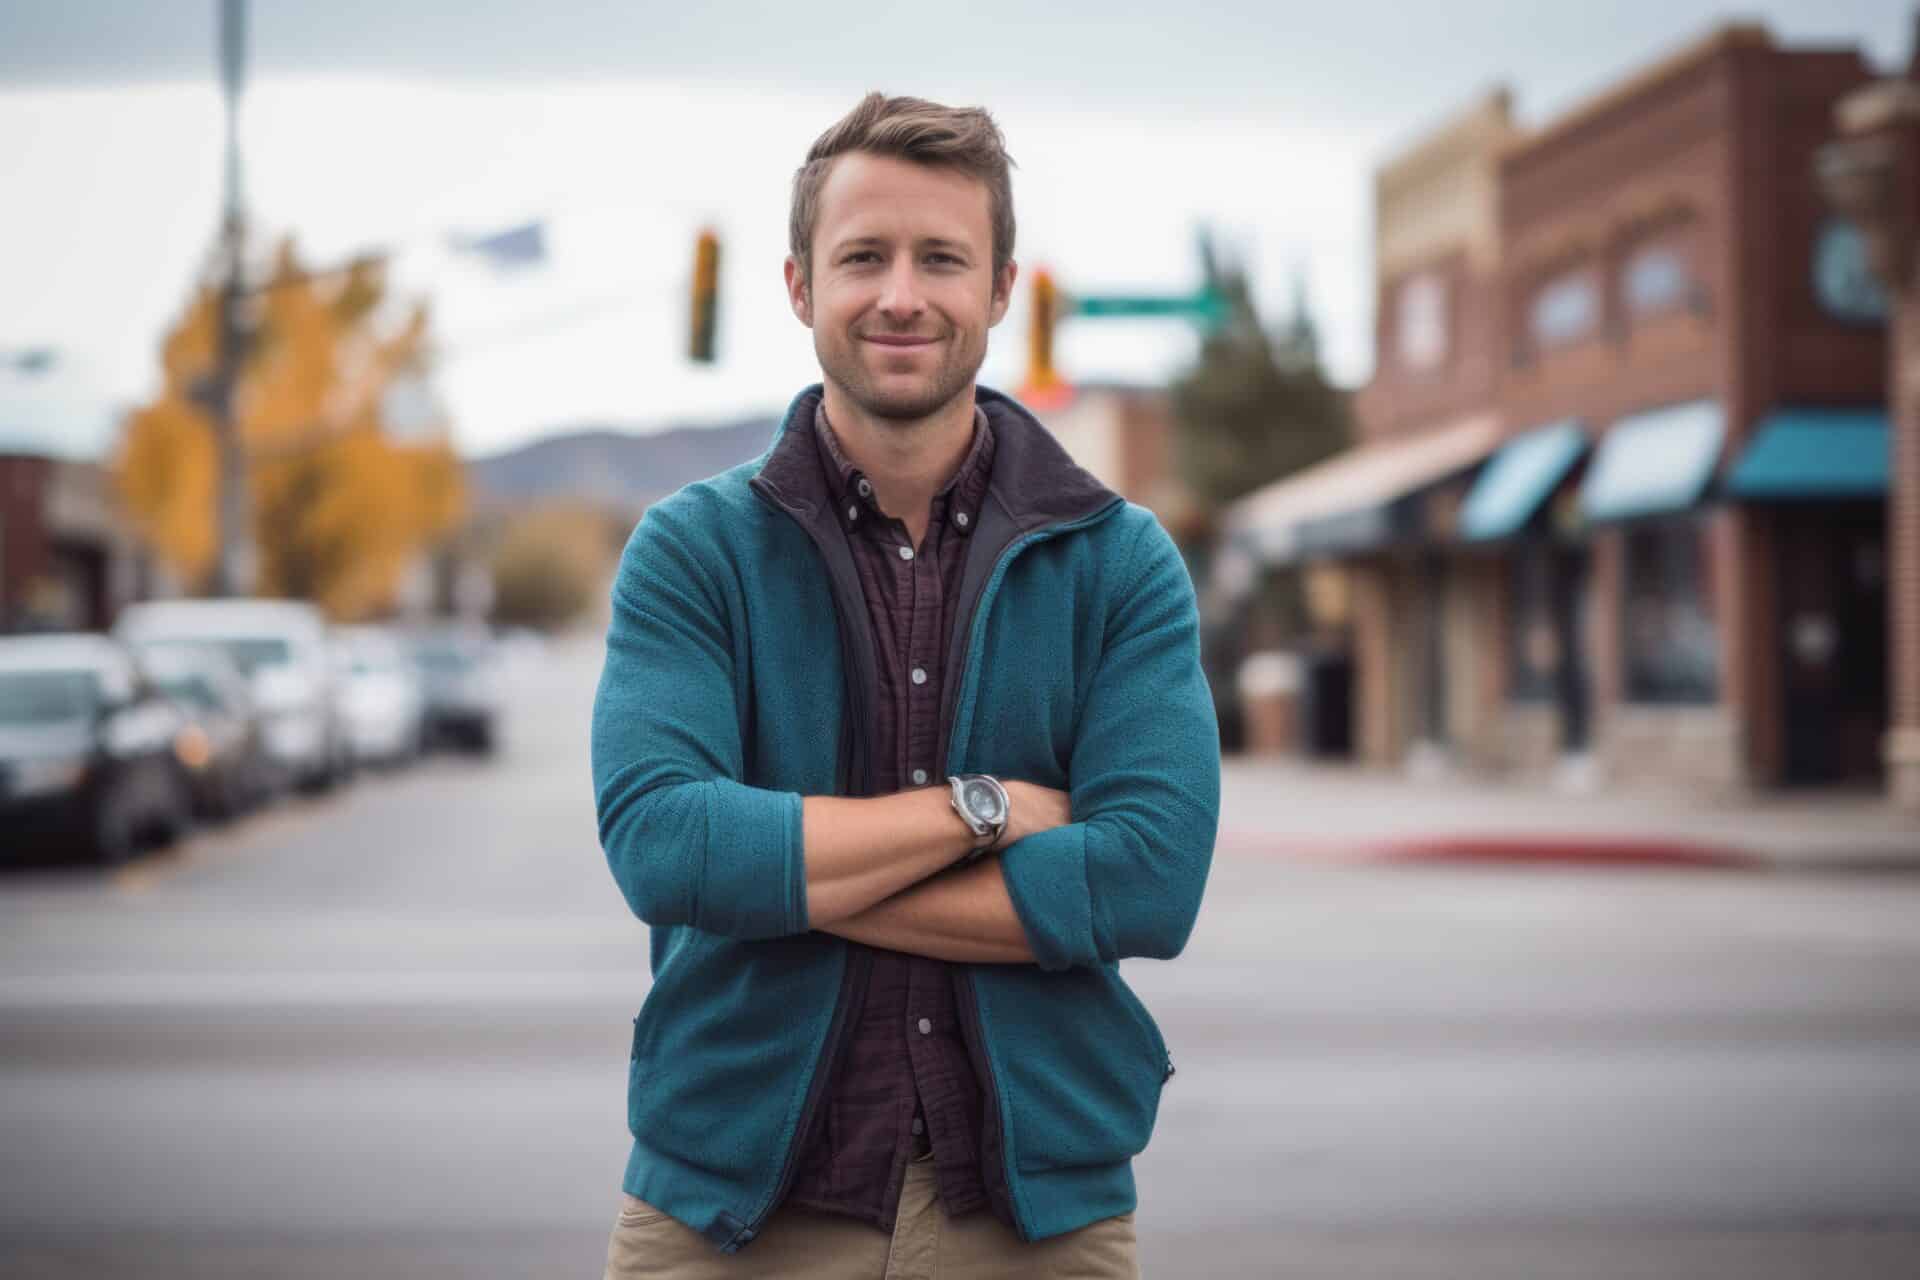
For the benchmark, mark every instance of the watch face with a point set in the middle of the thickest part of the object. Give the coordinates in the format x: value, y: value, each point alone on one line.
x: 983, y: 802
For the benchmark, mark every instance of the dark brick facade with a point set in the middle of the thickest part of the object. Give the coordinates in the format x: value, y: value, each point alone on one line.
x: 1704, y: 161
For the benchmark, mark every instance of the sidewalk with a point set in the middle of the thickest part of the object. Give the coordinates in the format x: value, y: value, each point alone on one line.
x: 1293, y: 809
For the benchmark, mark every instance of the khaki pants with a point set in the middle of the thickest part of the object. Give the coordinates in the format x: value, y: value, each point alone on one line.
x: 799, y: 1244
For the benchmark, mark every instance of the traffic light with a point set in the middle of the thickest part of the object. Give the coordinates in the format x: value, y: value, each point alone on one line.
x: 1044, y: 301
x: 706, y: 296
x: 1044, y: 389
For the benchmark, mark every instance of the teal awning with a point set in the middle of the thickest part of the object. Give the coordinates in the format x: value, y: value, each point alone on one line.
x: 1518, y: 480
x: 1815, y: 453
x: 1654, y: 462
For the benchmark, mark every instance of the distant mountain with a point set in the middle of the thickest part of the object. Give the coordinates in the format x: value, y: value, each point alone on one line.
x: 616, y: 468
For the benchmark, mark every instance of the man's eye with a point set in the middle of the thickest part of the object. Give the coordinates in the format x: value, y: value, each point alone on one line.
x: 864, y: 255
x: 946, y: 259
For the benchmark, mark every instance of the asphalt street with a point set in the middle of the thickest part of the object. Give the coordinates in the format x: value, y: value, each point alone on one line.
x: 384, y: 1033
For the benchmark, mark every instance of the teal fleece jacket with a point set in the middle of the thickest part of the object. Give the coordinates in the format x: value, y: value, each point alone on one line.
x: 737, y: 664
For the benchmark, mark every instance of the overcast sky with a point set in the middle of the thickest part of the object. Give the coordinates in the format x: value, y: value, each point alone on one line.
x: 628, y: 125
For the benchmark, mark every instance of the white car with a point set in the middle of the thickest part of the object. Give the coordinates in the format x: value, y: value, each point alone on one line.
x: 461, y: 672
x: 381, y: 697
x: 281, y: 645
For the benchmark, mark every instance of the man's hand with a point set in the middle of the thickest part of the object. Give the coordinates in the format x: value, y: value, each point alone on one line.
x: 1031, y: 809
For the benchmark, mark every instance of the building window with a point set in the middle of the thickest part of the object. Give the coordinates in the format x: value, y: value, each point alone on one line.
x: 1671, y: 642
x: 1533, y: 645
x: 1565, y: 310
x: 1843, y: 281
x: 1656, y: 280
x: 1420, y: 325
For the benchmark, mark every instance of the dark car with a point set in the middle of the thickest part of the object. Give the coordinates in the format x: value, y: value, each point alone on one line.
x: 221, y: 746
x: 88, y: 752
x: 460, y: 676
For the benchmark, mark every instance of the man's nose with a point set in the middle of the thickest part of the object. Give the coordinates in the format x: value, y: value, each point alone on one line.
x: 900, y: 294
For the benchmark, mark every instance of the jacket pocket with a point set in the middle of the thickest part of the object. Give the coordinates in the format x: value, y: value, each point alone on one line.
x: 1156, y: 1040
x: 1078, y: 1060
x: 724, y: 1047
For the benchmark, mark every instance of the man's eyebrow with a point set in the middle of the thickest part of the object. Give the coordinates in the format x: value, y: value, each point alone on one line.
x: 930, y: 242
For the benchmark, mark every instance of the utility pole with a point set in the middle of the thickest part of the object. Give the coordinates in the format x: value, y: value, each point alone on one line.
x: 233, y: 528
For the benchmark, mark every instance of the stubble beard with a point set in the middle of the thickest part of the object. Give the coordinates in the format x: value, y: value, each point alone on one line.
x: 952, y: 379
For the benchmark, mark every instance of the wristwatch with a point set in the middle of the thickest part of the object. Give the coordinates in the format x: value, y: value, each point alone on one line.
x: 982, y: 804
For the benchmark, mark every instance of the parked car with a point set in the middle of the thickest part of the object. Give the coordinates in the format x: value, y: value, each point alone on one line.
x: 222, y: 744
x: 88, y: 751
x: 381, y: 695
x: 281, y: 645
x: 460, y: 672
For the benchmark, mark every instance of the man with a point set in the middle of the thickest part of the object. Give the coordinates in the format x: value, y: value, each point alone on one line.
x: 901, y: 745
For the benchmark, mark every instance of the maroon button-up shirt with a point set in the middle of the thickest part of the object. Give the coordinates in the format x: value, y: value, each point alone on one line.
x: 905, y: 1080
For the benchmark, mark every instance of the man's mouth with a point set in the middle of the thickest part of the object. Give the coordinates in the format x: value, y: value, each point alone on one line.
x: 900, y: 340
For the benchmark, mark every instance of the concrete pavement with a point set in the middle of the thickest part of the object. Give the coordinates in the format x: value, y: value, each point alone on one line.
x: 1330, y: 812
x: 385, y: 1034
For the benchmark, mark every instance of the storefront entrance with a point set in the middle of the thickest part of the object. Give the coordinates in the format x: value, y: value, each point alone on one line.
x: 1547, y: 647
x: 1832, y: 629
x: 1572, y: 688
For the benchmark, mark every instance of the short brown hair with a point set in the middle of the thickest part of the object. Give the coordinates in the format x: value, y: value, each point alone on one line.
x: 962, y: 138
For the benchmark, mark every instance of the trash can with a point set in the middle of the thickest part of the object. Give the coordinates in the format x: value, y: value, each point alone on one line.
x: 1269, y: 687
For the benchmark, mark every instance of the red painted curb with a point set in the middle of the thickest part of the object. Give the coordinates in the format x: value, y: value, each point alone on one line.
x: 1623, y: 851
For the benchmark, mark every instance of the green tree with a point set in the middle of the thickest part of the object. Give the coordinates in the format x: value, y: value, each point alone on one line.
x: 1255, y: 406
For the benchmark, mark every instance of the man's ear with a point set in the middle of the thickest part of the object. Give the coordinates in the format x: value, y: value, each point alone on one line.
x: 799, y: 297
x: 1002, y: 293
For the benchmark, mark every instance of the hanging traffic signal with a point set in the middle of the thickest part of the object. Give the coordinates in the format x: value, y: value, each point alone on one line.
x: 1044, y: 302
x: 706, y: 296
x: 1044, y: 389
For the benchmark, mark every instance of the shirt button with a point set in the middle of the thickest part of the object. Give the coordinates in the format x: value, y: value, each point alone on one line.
x: 906, y: 553
x: 960, y: 518
x: 919, y: 1126
x: 866, y: 490
x: 919, y: 675
x: 853, y: 512
x: 919, y: 777
x: 926, y: 1026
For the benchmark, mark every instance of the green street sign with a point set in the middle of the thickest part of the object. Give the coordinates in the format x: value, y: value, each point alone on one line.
x: 1205, y: 306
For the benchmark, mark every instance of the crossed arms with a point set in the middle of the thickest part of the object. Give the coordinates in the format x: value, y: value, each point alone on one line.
x: 881, y: 871
x: 690, y: 844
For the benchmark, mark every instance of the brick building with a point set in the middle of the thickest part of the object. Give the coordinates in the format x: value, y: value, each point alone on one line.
x: 1620, y: 500
x: 1678, y: 596
x: 1871, y: 174
x: 66, y: 560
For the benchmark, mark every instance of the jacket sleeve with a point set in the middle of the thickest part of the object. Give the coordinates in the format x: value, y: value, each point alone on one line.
x: 1125, y: 877
x: 687, y: 842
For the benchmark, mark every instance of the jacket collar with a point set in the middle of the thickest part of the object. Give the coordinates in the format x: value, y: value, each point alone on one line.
x: 1034, y: 482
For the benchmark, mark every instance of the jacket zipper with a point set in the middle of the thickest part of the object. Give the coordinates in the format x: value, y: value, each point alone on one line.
x: 858, y: 962
x: 993, y: 1135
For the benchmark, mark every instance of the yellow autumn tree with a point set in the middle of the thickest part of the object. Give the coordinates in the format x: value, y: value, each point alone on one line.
x: 341, y: 500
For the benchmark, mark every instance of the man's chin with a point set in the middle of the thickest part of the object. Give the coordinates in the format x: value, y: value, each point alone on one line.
x: 909, y: 403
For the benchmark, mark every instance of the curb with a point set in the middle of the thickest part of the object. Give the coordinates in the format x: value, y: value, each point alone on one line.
x: 1507, y: 849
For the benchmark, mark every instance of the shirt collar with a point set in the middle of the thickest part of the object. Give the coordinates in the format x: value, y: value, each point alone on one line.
x: 853, y: 498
